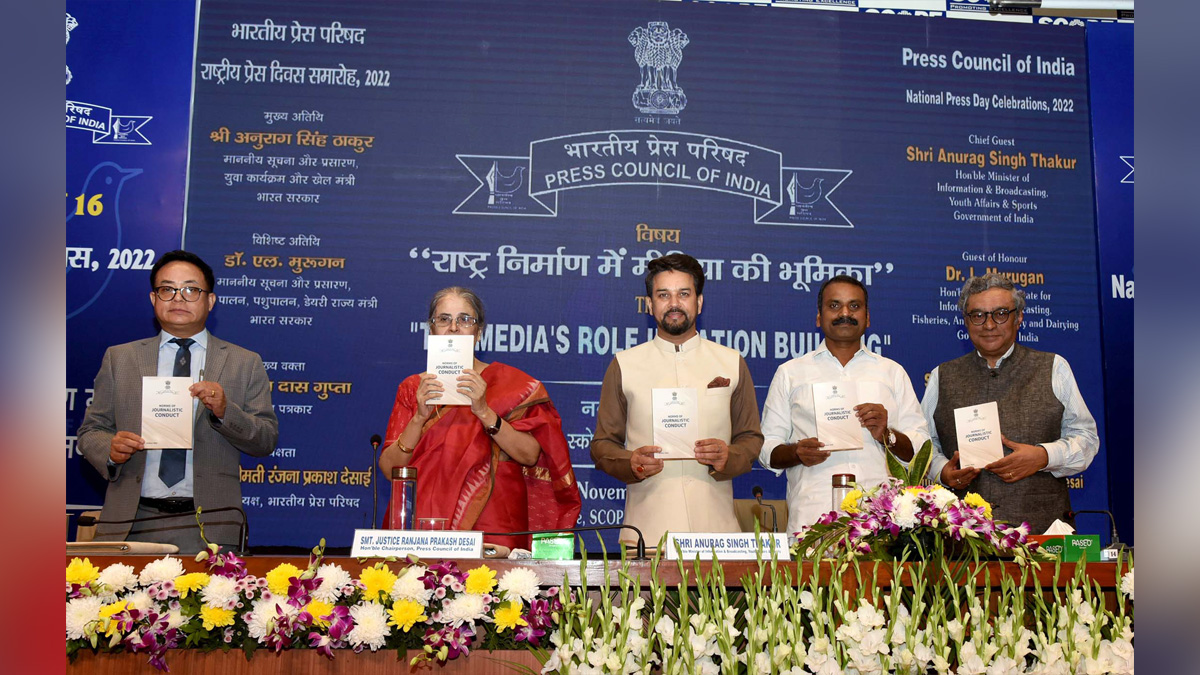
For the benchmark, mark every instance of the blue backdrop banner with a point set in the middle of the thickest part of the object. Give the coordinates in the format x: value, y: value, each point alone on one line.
x: 128, y: 96
x: 1110, y: 51
x: 349, y: 160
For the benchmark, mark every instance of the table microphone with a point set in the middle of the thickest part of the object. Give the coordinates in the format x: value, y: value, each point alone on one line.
x: 758, y: 495
x: 86, y: 521
x: 376, y: 441
x: 1116, y: 545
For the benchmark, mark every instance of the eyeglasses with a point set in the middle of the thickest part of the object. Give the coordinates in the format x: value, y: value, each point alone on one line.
x: 1000, y: 316
x: 444, y: 320
x: 189, y: 293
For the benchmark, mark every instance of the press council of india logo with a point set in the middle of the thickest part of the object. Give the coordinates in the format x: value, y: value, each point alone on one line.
x: 658, y: 51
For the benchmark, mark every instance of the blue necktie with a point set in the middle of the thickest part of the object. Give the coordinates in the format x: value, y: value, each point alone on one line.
x: 173, y: 464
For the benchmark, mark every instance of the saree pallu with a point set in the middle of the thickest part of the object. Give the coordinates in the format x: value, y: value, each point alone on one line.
x: 462, y: 475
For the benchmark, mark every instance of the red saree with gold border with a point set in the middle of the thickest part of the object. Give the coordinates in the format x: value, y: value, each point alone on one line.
x: 465, y: 477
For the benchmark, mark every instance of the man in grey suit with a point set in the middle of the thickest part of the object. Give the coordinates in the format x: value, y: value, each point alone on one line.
x: 232, y: 411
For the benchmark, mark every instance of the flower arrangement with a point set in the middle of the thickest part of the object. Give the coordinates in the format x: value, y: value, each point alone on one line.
x: 902, y: 518
x: 846, y: 623
x: 438, y: 609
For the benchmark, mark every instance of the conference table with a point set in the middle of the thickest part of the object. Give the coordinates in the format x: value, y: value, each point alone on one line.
x: 593, y: 572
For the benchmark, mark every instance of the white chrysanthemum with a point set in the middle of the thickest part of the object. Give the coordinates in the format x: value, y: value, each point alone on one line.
x: 174, y: 618
x: 408, y: 586
x: 1127, y: 584
x: 464, y: 608
x: 370, y: 625
x: 139, y: 600
x: 220, y: 592
x: 264, y: 614
x: 163, y: 569
x: 904, y: 511
x: 941, y: 496
x: 118, y: 577
x: 333, y: 578
x: 81, y: 612
x: 519, y: 583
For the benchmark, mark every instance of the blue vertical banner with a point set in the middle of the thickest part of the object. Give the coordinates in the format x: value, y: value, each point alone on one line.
x: 128, y: 89
x: 1110, y: 53
x: 349, y: 160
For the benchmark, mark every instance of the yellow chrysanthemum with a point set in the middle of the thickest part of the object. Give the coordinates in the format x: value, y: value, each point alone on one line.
x: 975, y: 500
x: 509, y: 616
x: 187, y: 583
x: 850, y: 503
x: 281, y: 577
x: 106, y: 616
x: 915, y: 489
x: 82, y: 572
x: 216, y: 617
x: 405, y: 613
x: 318, y: 609
x: 377, y: 580
x: 481, y: 580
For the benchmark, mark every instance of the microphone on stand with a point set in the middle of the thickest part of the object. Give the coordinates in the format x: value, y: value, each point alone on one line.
x: 641, y: 542
x: 376, y: 441
x: 244, y: 529
x: 1116, y: 546
x: 758, y: 495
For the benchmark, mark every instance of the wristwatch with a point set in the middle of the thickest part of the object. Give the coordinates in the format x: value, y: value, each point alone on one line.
x: 495, y: 428
x: 889, y: 438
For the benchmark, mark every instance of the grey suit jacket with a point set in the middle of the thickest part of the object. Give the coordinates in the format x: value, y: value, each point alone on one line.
x: 250, y: 426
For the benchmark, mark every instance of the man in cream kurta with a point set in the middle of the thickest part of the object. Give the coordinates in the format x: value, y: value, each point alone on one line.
x: 677, y: 495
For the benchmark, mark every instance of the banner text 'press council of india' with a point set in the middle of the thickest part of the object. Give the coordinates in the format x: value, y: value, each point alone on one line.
x: 347, y: 162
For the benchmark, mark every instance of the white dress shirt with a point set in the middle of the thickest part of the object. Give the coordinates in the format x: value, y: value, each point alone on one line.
x: 1070, y: 454
x: 152, y: 485
x: 789, y: 416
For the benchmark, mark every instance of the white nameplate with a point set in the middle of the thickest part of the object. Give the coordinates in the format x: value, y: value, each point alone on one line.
x: 978, y: 430
x: 676, y: 424
x: 446, y: 356
x: 421, y: 543
x: 728, y: 545
x: 837, y: 426
x: 166, y: 412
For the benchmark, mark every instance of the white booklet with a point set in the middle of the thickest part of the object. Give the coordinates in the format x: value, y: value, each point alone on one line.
x: 837, y: 426
x: 446, y: 356
x: 676, y: 422
x: 166, y: 412
x: 978, y: 430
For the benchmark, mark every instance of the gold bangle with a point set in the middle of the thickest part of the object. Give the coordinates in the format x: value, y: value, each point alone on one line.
x: 403, y: 448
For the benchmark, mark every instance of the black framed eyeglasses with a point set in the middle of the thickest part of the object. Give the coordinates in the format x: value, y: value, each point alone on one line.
x: 979, y: 317
x: 189, y: 293
x: 444, y: 320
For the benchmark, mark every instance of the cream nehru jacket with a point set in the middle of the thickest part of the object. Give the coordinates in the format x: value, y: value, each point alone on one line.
x: 683, y: 497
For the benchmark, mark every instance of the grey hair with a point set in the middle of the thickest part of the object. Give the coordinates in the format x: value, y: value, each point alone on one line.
x: 987, y: 282
x: 466, y: 294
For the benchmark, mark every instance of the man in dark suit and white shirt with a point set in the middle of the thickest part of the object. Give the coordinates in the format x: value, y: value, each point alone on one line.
x: 232, y: 415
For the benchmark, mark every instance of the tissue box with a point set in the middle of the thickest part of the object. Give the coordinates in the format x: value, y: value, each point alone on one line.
x: 1070, y: 547
x: 553, y: 546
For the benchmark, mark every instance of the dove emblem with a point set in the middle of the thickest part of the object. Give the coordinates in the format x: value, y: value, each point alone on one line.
x: 505, y: 186
x: 804, y: 196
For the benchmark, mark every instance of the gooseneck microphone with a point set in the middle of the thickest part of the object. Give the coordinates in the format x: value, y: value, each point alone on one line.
x: 757, y: 491
x: 376, y: 441
x: 244, y: 529
x: 641, y: 542
x: 1116, y: 543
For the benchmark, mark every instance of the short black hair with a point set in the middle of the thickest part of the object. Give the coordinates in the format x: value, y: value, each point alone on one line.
x: 840, y: 279
x: 676, y: 262
x: 187, y: 257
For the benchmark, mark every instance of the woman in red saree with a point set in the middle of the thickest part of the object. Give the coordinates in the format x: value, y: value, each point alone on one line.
x: 500, y: 464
